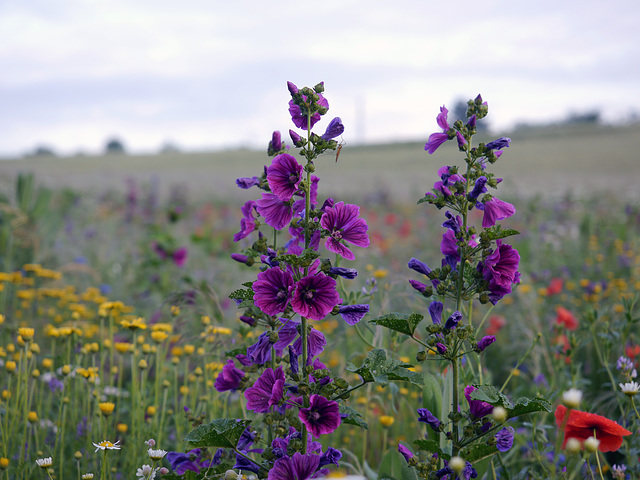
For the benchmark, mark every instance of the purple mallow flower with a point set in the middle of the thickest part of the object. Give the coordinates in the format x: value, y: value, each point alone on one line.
x: 248, y: 222
x: 437, y: 139
x: 276, y: 212
x: 181, y: 462
x: 500, y: 270
x: 247, y: 182
x: 453, y: 320
x: 485, y: 342
x: 284, y: 176
x: 418, y: 266
x: 343, y: 223
x: 260, y: 352
x: 275, y: 145
x: 229, y: 378
x: 315, y: 296
x: 478, y: 189
x: 419, y: 286
x: 298, y: 467
x: 271, y: 290
x: 425, y: 416
x: 300, y: 120
x: 243, y: 463
x: 334, y: 129
x: 498, y: 144
x: 321, y: 417
x: 266, y: 391
x: 405, y: 452
x: 477, y: 408
x: 348, y: 273
x: 494, y: 210
x: 504, y: 439
x: 352, y: 314
x: 435, y: 310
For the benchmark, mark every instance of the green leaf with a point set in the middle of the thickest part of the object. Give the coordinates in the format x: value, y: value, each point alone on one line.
x: 380, y: 369
x: 353, y: 418
x: 221, y: 433
x: 526, y: 405
x: 431, y: 446
x: 497, y: 232
x: 476, y: 453
x: 400, y: 322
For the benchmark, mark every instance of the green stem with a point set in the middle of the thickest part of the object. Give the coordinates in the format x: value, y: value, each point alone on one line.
x: 526, y: 354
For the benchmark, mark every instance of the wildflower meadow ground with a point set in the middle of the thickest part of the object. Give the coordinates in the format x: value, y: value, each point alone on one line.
x: 469, y: 333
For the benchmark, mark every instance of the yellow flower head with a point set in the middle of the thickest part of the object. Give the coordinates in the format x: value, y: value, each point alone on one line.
x: 10, y: 366
x: 386, y: 420
x: 159, y: 336
x: 134, y: 324
x: 4, y: 463
x: 32, y: 417
x: 26, y: 333
x: 106, y: 408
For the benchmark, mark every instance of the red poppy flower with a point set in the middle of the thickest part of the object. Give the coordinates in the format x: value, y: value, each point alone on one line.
x: 555, y: 286
x: 496, y: 322
x: 632, y: 351
x: 566, y: 318
x: 582, y: 425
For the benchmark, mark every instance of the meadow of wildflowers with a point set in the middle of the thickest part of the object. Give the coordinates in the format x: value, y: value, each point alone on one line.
x: 300, y: 336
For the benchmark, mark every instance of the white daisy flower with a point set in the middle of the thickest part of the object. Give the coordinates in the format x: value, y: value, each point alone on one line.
x: 156, y: 455
x: 44, y: 462
x: 146, y: 472
x: 630, y: 388
x: 106, y: 445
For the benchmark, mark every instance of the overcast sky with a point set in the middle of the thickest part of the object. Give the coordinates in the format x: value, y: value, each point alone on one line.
x: 206, y: 74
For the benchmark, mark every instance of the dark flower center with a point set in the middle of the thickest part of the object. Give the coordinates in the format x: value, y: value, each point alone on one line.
x: 314, y: 416
x: 293, y: 178
x: 281, y: 295
x: 308, y: 294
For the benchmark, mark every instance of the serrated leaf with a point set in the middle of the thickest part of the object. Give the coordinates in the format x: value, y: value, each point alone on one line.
x: 497, y: 233
x: 400, y: 322
x: 490, y: 394
x: 478, y: 452
x: 241, y: 294
x: 222, y: 433
x: 353, y: 417
x: 431, y: 446
x: 380, y: 369
x: 529, y: 405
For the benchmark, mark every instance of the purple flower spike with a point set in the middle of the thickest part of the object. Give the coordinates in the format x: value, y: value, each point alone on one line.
x: 477, y: 408
x: 405, y: 452
x: 505, y: 439
x: 334, y: 129
x: 453, y: 320
x: 297, y: 140
x: 315, y: 296
x: 247, y: 223
x: 500, y: 270
x: 461, y: 140
x: 276, y: 212
x: 292, y: 88
x: 247, y: 182
x: 437, y: 139
x: 275, y: 145
x: 321, y: 417
x: 331, y: 455
x: 425, y: 416
x: 478, y: 189
x: 435, y: 310
x: 271, y: 290
x: 352, y: 314
x: 298, y: 467
x: 343, y: 223
x: 266, y: 391
x: 229, y: 378
x: 498, y: 144
x: 485, y: 342
x: 494, y: 210
x: 300, y: 120
x: 418, y: 266
x: 419, y: 286
x: 284, y: 176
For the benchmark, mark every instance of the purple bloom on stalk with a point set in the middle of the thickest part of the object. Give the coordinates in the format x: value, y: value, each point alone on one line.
x: 293, y: 361
x: 297, y: 140
x: 181, y: 462
x: 504, y: 439
x: 298, y: 467
x: 246, y: 439
x: 284, y: 176
x: 453, y: 223
x: 334, y: 129
x: 468, y: 472
x: 275, y: 145
x: 500, y: 270
x: 247, y: 222
x: 494, y: 210
x: 425, y: 416
x: 441, y: 348
x: 260, y: 352
x: 343, y: 223
x: 477, y: 408
x: 437, y: 139
x: 405, y: 452
x: 315, y: 296
x: 243, y: 463
x: 247, y: 182
x: 331, y: 455
x: 266, y: 391
x: 321, y: 417
x: 300, y: 120
x: 498, y: 144
x: 276, y: 212
x: 478, y: 189
x: 485, y: 342
x: 418, y: 266
x: 453, y: 320
x: 229, y: 378
x: 449, y: 248
x: 315, y: 343
x: 179, y: 256
x: 435, y: 310
x: 352, y: 314
x: 348, y: 273
x: 271, y: 290
x: 238, y: 257
x: 461, y: 140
